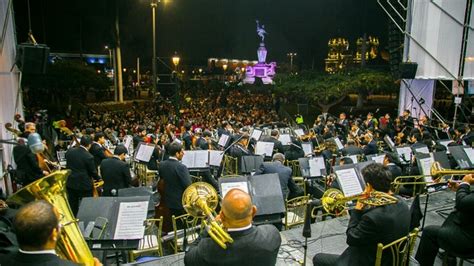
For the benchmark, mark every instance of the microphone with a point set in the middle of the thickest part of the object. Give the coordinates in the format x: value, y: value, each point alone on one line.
x: 35, y: 143
x: 307, y: 221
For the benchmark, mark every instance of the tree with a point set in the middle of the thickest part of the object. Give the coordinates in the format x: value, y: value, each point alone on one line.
x: 367, y: 81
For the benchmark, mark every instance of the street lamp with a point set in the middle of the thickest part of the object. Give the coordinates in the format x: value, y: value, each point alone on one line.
x: 154, y: 4
x: 291, y: 55
x: 176, y: 60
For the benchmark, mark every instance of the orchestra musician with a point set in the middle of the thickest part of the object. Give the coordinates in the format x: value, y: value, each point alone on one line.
x: 369, y: 226
x: 115, y: 172
x: 187, y: 136
x: 253, y: 245
x: 97, y: 148
x: 456, y: 234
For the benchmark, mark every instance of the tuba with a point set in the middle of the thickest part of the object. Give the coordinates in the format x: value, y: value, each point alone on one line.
x: 334, y: 202
x: 199, y: 200
x: 52, y: 188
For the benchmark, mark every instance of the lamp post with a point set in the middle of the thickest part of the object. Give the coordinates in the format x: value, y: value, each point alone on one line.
x: 176, y: 60
x: 291, y: 55
x: 154, y: 4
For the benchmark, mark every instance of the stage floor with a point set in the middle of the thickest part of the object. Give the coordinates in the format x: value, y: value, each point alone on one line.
x: 329, y: 236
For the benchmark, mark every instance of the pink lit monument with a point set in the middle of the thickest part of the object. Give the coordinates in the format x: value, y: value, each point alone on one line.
x: 261, y: 70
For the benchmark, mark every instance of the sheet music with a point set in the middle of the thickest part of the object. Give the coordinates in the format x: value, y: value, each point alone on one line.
x: 223, y: 140
x: 201, y: 159
x: 130, y: 220
x: 144, y: 152
x: 445, y: 143
x: 316, y: 165
x: 128, y: 141
x: 470, y: 154
x: 307, y: 148
x: 299, y: 132
x: 338, y: 143
x: 349, y: 182
x: 264, y: 148
x: 404, y: 153
x: 378, y: 158
x: 215, y: 158
x: 425, y: 164
x: 188, y: 159
x: 354, y: 158
x: 256, y: 134
x: 227, y: 186
x: 285, y: 139
x: 422, y: 150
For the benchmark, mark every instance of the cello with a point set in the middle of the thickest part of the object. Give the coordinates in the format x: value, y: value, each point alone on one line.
x: 162, y: 210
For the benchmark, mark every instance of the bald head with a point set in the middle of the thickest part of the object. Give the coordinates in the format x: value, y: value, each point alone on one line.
x: 237, y: 207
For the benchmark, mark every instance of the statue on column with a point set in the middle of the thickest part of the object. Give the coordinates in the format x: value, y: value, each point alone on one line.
x: 261, y: 31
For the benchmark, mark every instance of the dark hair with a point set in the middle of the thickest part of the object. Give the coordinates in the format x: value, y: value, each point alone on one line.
x: 86, y: 140
x: 378, y: 176
x: 140, y: 129
x: 34, y: 224
x: 207, y: 133
x: 98, y: 135
x: 392, y: 157
x: 347, y: 160
x: 120, y: 149
x: 174, y: 148
x: 417, y: 136
x: 187, y: 126
x: 90, y: 131
x: 274, y: 133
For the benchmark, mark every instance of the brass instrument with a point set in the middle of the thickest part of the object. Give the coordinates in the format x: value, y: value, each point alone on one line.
x: 199, y: 200
x: 52, y: 188
x: 334, y: 202
x: 436, y: 173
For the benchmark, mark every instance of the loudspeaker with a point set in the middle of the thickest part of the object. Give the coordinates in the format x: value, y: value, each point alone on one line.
x: 32, y: 59
x: 407, y: 70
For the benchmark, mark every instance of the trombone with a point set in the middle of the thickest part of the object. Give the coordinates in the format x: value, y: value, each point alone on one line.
x: 437, y: 172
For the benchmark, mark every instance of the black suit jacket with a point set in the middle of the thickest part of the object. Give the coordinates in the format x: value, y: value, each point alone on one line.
x: 457, y: 232
x: 284, y: 174
x: 27, y: 166
x: 255, y: 246
x: 367, y: 228
x: 83, y: 169
x: 371, y: 148
x: 98, y: 152
x: 351, y: 150
x: 21, y: 259
x: 395, y: 170
x: 116, y: 175
x: 177, y: 179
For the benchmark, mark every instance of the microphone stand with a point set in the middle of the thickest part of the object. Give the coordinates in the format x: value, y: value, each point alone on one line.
x: 306, y: 230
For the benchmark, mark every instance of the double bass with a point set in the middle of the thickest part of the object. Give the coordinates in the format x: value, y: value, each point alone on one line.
x: 161, y: 209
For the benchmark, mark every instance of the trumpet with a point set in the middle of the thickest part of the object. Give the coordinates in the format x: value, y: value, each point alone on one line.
x: 200, y: 200
x: 334, y: 202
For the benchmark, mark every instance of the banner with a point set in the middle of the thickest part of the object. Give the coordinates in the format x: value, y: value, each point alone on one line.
x: 416, y: 95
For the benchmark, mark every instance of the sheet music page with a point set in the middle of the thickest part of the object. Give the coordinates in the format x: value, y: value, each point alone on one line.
x: 130, y: 220
x: 215, y: 158
x: 338, y: 143
x: 404, y: 153
x: 389, y: 142
x: 378, y: 158
x: 188, y: 159
x: 223, y: 140
x: 128, y: 141
x: 307, y: 148
x: 422, y: 150
x: 144, y: 152
x: 201, y: 159
x: 316, y: 165
x: 354, y: 158
x: 299, y: 132
x: 227, y: 186
x: 445, y: 143
x: 264, y: 148
x: 349, y: 182
x: 256, y: 134
x: 285, y: 139
x: 426, y: 168
x: 470, y: 154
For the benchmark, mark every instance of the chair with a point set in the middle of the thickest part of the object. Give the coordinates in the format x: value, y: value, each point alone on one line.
x: 151, y: 241
x: 230, y: 165
x: 462, y: 257
x: 400, y: 249
x: 295, y: 211
x: 300, y: 182
x: 196, y: 178
x: 192, y: 227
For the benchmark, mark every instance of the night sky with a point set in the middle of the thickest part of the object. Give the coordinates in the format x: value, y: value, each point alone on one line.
x: 199, y: 29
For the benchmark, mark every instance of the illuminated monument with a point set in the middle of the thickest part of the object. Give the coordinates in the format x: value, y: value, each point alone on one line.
x: 261, y: 69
